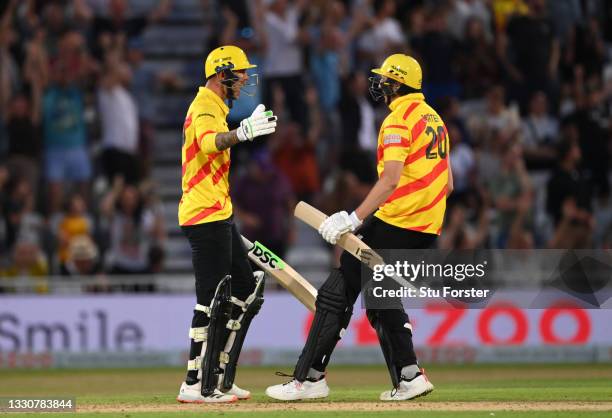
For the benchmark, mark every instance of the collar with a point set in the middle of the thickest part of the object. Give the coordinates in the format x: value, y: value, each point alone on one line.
x: 208, y: 93
x: 412, y: 97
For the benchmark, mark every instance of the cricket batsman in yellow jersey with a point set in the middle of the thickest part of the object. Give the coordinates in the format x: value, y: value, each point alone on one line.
x: 228, y: 293
x: 408, y: 202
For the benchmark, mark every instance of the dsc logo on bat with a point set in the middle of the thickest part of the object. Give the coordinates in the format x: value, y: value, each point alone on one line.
x: 266, y: 256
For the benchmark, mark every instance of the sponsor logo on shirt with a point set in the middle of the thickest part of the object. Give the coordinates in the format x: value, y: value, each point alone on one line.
x: 392, y: 139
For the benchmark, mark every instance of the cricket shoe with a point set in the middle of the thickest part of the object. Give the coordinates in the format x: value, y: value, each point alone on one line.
x: 409, y: 388
x: 192, y: 394
x: 241, y: 394
x: 295, y: 390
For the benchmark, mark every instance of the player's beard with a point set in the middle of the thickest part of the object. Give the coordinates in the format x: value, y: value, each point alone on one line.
x: 232, y: 92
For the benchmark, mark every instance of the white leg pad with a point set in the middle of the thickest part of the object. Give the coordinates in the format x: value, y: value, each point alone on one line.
x: 195, y: 364
x: 199, y: 335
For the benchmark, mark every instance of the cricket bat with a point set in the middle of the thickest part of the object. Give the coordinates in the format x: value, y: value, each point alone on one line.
x: 349, y: 242
x: 282, y: 272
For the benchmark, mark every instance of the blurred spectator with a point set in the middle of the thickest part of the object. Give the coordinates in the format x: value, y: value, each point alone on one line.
x: 540, y: 132
x: 74, y: 223
x: 50, y: 15
x: 119, y: 120
x: 330, y: 41
x: 27, y: 267
x: 462, y: 161
x: 24, y: 139
x: 497, y: 118
x: 74, y: 59
x: 450, y: 109
x: 295, y: 152
x: 295, y: 156
x: 82, y: 258
x: 568, y: 183
x: 143, y: 84
x: 461, y: 232
x: 117, y: 28
x: 9, y: 71
x: 464, y: 13
x: 384, y: 36
x: 359, y: 136
x: 133, y: 230
x: 283, y: 56
x: 512, y: 196
x: 344, y: 192
x: 566, y: 14
x: 438, y: 52
x: 477, y: 60
x: 65, y: 135
x: 357, y: 114
x: 22, y: 222
x: 592, y: 129
x: 532, y: 54
x: 503, y: 10
x: 263, y: 202
x: 575, y: 229
x: 586, y: 48
x: 23, y: 118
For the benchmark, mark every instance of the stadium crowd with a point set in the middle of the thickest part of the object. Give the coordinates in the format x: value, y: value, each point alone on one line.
x: 524, y: 86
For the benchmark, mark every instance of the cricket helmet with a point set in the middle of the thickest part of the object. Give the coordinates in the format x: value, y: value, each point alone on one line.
x: 227, y: 57
x: 402, y: 68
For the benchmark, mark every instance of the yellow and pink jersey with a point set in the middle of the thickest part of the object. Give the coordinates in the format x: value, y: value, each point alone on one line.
x: 205, y: 181
x: 414, y: 134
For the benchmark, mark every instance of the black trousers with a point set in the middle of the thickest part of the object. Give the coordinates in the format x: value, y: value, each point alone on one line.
x: 381, y: 235
x: 217, y: 250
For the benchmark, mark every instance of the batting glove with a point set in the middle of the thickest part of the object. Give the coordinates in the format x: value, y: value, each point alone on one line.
x: 261, y: 122
x: 338, y: 224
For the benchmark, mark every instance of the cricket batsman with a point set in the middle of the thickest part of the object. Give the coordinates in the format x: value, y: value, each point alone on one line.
x: 228, y: 293
x: 408, y: 202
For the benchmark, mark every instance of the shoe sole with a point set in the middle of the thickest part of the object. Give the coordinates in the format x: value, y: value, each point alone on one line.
x: 203, y: 402
x: 424, y: 393
x: 427, y: 392
x: 188, y: 401
x: 315, y: 396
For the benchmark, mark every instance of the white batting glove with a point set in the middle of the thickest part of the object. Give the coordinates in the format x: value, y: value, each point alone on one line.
x: 261, y: 122
x: 337, y: 224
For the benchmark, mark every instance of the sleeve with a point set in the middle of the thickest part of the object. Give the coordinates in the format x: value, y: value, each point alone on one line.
x: 395, y: 140
x: 287, y: 28
x: 395, y: 32
x: 206, y: 128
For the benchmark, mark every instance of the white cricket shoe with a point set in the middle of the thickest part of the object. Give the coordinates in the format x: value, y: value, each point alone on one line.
x: 409, y: 389
x: 192, y: 394
x: 294, y: 390
x: 241, y: 394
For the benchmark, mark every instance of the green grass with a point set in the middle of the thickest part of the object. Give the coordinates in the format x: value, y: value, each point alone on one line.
x: 336, y: 414
x: 132, y: 388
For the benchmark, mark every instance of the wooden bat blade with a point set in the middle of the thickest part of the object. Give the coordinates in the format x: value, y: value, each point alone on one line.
x: 282, y: 272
